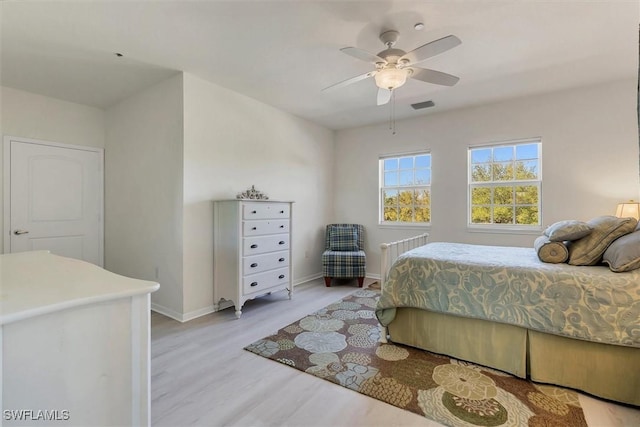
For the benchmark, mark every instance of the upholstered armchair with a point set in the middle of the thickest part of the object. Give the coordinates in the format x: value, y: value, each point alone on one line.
x: 344, y: 256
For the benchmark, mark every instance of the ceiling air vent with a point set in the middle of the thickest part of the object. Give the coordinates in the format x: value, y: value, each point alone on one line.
x: 421, y: 105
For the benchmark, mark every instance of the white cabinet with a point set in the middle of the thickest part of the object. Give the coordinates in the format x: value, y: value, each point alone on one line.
x: 74, y: 343
x: 252, y: 250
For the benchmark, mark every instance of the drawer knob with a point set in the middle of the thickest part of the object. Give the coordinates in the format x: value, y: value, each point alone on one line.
x: 281, y: 212
x: 281, y: 260
x: 281, y: 242
x: 254, y: 265
x: 281, y: 276
x: 254, y: 283
x: 254, y: 246
x: 254, y: 228
x: 282, y: 226
x: 254, y: 212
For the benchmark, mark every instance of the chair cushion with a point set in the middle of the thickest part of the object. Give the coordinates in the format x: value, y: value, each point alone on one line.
x: 343, y: 263
x: 343, y: 239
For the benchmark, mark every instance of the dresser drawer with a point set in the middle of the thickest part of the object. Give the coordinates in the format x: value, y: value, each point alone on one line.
x: 258, y: 263
x: 265, y: 210
x: 262, y: 244
x: 264, y: 281
x: 258, y: 228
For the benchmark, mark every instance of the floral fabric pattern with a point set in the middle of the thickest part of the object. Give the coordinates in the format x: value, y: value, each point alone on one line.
x: 511, y: 285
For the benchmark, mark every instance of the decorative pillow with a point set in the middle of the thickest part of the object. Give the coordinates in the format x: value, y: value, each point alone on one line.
x: 624, y: 253
x: 343, y: 239
x: 569, y: 229
x: 548, y: 251
x: 606, y: 229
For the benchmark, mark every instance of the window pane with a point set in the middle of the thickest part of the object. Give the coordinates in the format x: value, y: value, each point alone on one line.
x: 390, y: 179
x: 423, y: 176
x: 390, y: 164
x: 527, y: 215
x: 480, y: 196
x: 405, y: 198
x: 406, y: 163
x: 528, y: 151
x: 481, y: 173
x: 480, y: 215
x: 422, y: 198
x: 527, y: 195
x: 423, y: 215
x: 527, y: 169
x: 502, y: 154
x: 390, y: 214
x: 503, y: 215
x: 406, y: 215
x: 423, y: 161
x: 390, y: 197
x: 406, y: 177
x: 503, y: 196
x: 481, y: 155
x: 503, y: 171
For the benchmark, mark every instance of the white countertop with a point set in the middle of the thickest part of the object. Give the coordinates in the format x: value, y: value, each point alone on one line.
x: 37, y: 283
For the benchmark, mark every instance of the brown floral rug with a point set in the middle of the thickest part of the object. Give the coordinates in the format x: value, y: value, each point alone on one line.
x: 341, y: 344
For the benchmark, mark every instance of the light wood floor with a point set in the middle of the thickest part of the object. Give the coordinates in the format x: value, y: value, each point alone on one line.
x: 201, y: 376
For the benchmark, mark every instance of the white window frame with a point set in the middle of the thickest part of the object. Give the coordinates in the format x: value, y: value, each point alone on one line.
x: 505, y: 228
x: 381, y: 188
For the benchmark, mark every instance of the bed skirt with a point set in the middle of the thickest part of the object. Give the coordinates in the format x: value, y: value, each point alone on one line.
x: 603, y: 370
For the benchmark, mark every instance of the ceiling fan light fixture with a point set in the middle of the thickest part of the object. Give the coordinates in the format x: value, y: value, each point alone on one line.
x: 391, y: 78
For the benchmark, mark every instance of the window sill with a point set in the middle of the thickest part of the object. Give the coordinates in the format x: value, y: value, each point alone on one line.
x: 505, y: 230
x: 426, y: 227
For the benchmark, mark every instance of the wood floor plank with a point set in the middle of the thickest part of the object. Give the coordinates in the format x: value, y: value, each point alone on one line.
x: 201, y: 376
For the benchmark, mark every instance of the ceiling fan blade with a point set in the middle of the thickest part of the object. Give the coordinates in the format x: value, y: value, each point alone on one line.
x: 351, y: 80
x: 363, y: 55
x: 384, y: 96
x: 433, y: 76
x: 430, y: 49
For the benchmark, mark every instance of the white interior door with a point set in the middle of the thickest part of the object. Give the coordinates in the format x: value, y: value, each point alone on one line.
x: 55, y: 199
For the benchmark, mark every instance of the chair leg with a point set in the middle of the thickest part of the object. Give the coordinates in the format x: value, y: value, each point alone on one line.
x: 327, y: 282
x: 360, y: 281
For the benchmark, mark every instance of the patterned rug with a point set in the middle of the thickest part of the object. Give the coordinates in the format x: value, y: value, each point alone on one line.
x: 340, y: 343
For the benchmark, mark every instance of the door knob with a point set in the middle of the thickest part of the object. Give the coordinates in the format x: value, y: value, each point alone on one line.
x: 19, y: 232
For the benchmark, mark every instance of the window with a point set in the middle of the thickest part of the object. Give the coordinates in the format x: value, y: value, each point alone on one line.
x: 405, y: 189
x: 505, y: 184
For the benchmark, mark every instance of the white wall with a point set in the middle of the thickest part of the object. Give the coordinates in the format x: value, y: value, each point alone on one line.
x: 143, y: 190
x: 232, y: 142
x: 35, y: 116
x: 589, y: 150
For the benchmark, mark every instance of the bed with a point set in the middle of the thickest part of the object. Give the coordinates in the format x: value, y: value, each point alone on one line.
x: 502, y: 307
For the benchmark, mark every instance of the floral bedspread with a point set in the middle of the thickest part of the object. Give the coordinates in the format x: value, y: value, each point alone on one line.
x: 511, y: 285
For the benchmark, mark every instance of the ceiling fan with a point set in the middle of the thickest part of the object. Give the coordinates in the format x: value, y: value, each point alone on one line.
x: 395, y: 66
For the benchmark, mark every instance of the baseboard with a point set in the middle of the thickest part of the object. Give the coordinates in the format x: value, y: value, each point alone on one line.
x: 166, y: 312
x: 180, y: 317
x: 306, y: 279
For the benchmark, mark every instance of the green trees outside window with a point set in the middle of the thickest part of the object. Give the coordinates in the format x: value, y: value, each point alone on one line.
x: 405, y: 189
x: 504, y: 184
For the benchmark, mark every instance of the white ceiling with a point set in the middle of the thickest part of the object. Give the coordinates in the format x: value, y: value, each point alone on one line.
x: 284, y: 52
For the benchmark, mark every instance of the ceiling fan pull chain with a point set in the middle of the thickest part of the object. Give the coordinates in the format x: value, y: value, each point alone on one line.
x: 392, y: 115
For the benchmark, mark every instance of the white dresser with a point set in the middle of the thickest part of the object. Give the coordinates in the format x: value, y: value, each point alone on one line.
x: 252, y: 250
